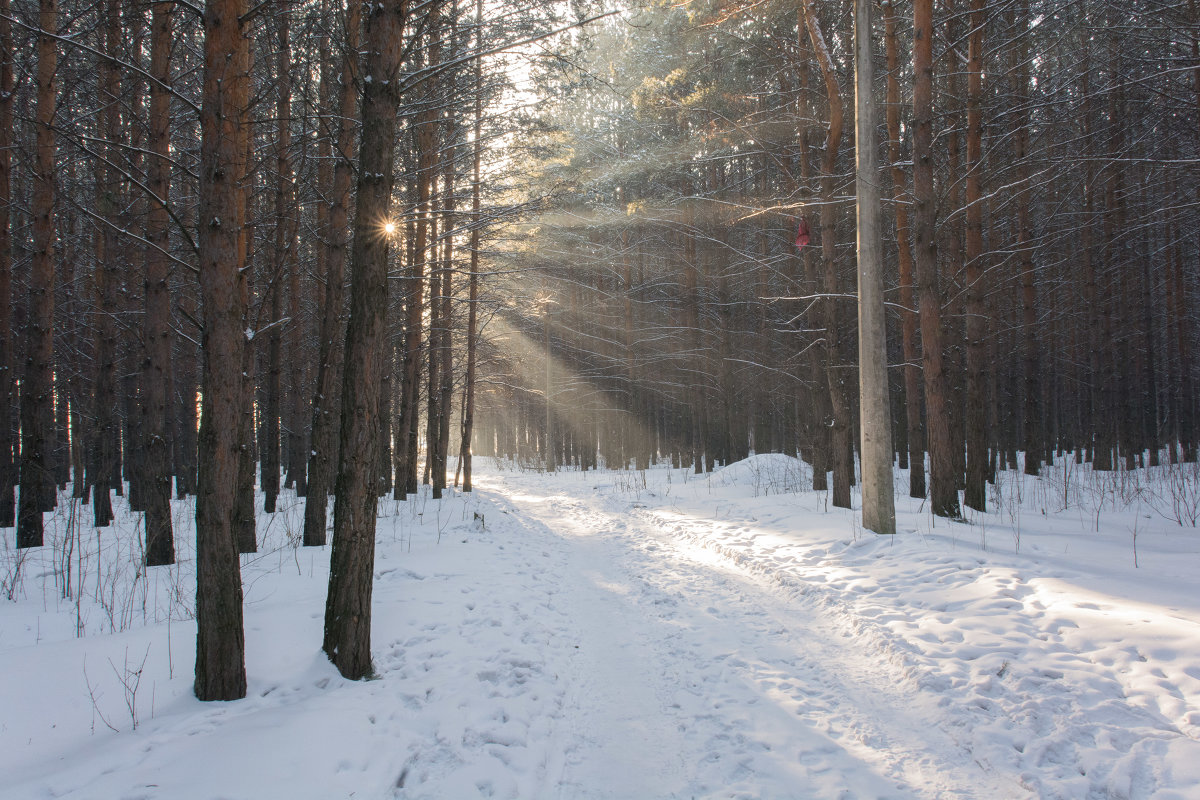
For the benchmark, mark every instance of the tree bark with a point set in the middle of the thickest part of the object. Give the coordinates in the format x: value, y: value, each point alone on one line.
x: 975, y: 495
x: 220, y: 638
x: 347, y: 639
x: 295, y: 459
x: 156, y: 380
x: 424, y: 135
x: 943, y: 484
x: 1034, y: 437
x: 433, y: 337
x: 106, y: 276
x: 269, y: 452
x: 37, y: 400
x: 445, y: 351
x: 914, y: 393
x: 816, y: 430
x: 323, y: 454
x: 269, y: 425
x: 243, y: 513
x: 8, y: 471
x: 185, y: 376
x: 468, y: 408
x: 840, y: 422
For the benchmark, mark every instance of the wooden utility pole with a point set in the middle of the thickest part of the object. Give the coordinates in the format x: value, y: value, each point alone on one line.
x: 878, y: 502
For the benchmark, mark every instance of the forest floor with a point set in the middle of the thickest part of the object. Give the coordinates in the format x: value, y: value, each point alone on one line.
x: 637, y: 635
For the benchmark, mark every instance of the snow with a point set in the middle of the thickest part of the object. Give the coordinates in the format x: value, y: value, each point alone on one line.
x: 636, y: 635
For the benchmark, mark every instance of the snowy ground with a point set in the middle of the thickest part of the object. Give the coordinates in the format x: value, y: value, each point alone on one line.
x: 638, y: 635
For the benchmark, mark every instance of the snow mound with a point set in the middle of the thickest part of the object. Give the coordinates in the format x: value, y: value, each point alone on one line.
x: 767, y: 473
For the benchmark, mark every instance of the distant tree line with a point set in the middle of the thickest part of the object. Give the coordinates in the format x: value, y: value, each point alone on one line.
x: 1041, y: 161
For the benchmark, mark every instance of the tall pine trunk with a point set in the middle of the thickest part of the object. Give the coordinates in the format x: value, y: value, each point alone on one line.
x: 243, y: 513
x: 913, y: 391
x: 347, y: 639
x: 943, y: 483
x: 839, y: 393
x: 817, y: 433
x: 156, y: 373
x: 468, y: 408
x: 424, y: 138
x: 1034, y: 441
x: 37, y: 399
x: 976, y: 404
x: 220, y: 635
x: 445, y: 351
x: 8, y: 471
x: 107, y: 275
x: 325, y: 417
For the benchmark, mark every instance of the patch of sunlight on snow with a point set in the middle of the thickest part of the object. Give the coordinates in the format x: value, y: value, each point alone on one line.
x: 1059, y: 594
x: 529, y: 498
x: 609, y: 586
x: 705, y: 556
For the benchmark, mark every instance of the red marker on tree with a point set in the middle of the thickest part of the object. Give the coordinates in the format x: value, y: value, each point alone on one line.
x: 802, y: 233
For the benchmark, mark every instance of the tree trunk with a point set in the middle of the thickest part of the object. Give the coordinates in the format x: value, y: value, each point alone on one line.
x: 1034, y: 439
x: 840, y: 427
x: 243, y: 514
x: 816, y: 431
x: 220, y: 639
x: 468, y: 409
x: 269, y: 424
x: 347, y: 639
x: 323, y: 454
x: 289, y: 220
x: 913, y: 391
x: 424, y: 135
x: 270, y: 450
x: 445, y: 352
x: 432, y: 362
x: 942, y: 479
x: 37, y: 400
x: 296, y: 459
x: 383, y: 466
x: 185, y: 384
x: 8, y: 471
x: 156, y: 380
x: 976, y: 404
x: 104, y: 394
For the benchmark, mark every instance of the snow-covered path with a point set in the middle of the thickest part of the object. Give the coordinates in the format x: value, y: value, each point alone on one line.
x: 623, y: 636
x: 787, y: 659
x: 698, y: 678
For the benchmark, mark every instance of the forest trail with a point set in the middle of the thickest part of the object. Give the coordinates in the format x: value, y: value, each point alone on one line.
x: 626, y: 636
x: 696, y: 677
